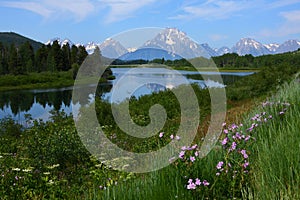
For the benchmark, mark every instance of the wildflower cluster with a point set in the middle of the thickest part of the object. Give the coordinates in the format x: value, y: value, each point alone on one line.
x: 189, y: 153
x: 193, y: 185
x: 235, y: 142
x: 172, y: 137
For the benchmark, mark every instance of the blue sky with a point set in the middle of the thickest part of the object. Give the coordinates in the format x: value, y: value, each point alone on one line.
x: 216, y: 22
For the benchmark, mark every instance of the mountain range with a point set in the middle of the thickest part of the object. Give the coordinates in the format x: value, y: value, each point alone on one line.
x: 173, y: 41
x: 177, y: 42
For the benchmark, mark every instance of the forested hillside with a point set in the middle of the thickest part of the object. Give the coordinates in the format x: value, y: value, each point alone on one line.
x: 24, y: 59
x: 8, y: 38
x: 233, y: 60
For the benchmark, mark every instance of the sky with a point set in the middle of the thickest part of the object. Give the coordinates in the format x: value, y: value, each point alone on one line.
x: 216, y: 22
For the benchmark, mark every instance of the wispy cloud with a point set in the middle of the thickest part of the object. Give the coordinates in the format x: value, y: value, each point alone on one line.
x: 291, y: 16
x: 123, y: 9
x: 35, y: 7
x: 77, y: 9
x: 291, y: 25
x: 281, y: 3
x: 214, y: 9
x: 80, y: 9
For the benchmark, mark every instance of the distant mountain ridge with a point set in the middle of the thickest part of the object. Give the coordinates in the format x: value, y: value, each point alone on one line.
x: 7, y: 38
x: 60, y: 42
x: 176, y: 41
x: 250, y: 46
x: 170, y: 39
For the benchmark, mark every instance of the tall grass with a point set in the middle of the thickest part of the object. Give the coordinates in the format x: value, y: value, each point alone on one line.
x: 273, y: 156
x: 274, y: 162
x: 276, y: 173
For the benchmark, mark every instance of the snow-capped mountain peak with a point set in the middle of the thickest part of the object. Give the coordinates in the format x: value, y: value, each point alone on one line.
x: 249, y: 46
x: 176, y: 42
x: 60, y: 42
x: 272, y: 47
x: 290, y: 45
x: 90, y: 47
x: 52, y: 40
x: 223, y: 50
x: 66, y: 41
x: 112, y: 49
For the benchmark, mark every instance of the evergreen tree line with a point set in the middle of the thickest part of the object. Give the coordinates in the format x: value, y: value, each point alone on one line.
x: 52, y: 58
x: 233, y: 60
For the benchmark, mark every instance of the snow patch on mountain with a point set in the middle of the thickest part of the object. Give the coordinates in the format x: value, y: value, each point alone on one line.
x: 176, y: 42
x: 250, y: 46
x: 112, y: 49
x: 272, y: 47
x: 290, y: 45
x: 60, y: 42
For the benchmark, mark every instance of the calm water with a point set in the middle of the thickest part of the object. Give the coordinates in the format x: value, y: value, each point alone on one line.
x: 137, y: 82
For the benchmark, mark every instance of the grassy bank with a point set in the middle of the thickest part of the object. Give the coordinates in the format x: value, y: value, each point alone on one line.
x: 36, y: 81
x: 276, y: 160
x: 264, y: 164
x: 45, y: 80
x: 256, y: 157
x: 189, y: 68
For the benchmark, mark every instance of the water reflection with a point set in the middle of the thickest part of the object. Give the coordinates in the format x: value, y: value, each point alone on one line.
x: 38, y: 103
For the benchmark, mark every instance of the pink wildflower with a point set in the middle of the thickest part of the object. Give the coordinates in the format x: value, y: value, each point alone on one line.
x: 192, y: 158
x: 161, y: 134
x: 220, y: 164
x: 198, y: 182
x: 205, y: 183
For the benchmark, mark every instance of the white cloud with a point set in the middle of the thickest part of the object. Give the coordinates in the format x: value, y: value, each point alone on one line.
x: 282, y: 3
x: 291, y: 16
x: 291, y: 25
x: 77, y: 9
x: 80, y: 9
x: 31, y: 6
x: 123, y: 9
x: 214, y: 9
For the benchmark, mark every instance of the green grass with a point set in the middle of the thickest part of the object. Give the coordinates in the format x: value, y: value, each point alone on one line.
x: 274, y: 160
x: 277, y: 160
x: 273, y: 156
x: 36, y: 81
x: 44, y: 80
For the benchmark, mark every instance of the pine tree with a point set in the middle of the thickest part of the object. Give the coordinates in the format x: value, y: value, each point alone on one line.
x: 82, y: 54
x: 41, y: 59
x: 56, y: 52
x: 3, y: 60
x: 13, y: 60
x: 66, y: 55
x: 26, y: 57
x: 74, y: 54
x: 51, y: 64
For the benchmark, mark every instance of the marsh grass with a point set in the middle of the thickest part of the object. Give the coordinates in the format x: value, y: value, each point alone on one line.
x: 273, y: 156
x: 60, y: 168
x: 277, y: 158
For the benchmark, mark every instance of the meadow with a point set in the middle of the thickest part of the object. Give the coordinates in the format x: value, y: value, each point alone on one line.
x: 256, y: 157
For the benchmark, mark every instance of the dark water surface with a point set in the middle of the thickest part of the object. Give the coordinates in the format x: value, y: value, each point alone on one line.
x: 38, y: 103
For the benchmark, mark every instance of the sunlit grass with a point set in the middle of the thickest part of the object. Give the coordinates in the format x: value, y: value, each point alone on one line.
x: 277, y: 160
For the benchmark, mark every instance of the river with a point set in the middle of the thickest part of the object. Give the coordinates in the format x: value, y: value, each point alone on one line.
x: 39, y: 102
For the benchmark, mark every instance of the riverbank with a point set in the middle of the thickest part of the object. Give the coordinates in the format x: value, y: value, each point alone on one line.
x: 46, y: 80
x: 188, y: 68
x: 43, y: 80
x: 36, y: 81
x: 52, y: 163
